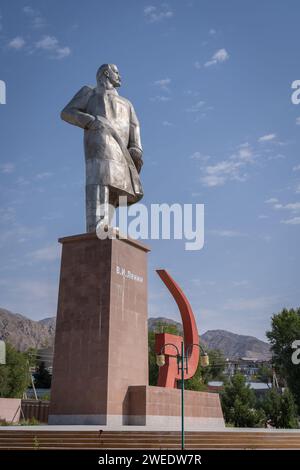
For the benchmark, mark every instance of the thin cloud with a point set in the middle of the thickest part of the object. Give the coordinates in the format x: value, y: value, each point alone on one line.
x: 197, y: 107
x: 191, y: 93
x: 200, y: 157
x: 16, y: 43
x: 212, y: 181
x: 7, y: 167
x: 296, y: 168
x: 160, y: 98
x: 7, y: 214
x: 243, y: 283
x: 219, y: 57
x: 278, y: 156
x: 163, y: 83
x: 220, y: 172
x: 21, y: 181
x: 257, y: 303
x: 18, y: 233
x: 41, y: 176
x: 292, y: 206
x: 267, y: 138
x: 51, y: 44
x: 232, y: 169
x: 227, y: 233
x: 272, y: 200
x: 47, y: 253
x: 293, y: 221
x: 47, y: 44
x: 157, y: 14
x: 36, y: 19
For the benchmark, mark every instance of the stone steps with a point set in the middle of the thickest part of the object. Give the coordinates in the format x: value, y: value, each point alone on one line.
x: 20, y: 439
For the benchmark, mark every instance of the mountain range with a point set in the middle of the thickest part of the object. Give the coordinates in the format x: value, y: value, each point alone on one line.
x: 24, y: 333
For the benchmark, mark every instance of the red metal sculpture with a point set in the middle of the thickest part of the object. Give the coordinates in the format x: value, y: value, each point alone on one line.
x: 168, y: 374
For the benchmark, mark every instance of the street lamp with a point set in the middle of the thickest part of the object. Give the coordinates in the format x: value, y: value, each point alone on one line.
x: 2, y: 352
x: 182, y: 364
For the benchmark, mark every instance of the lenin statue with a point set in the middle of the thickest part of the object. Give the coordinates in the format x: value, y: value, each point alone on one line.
x: 112, y: 144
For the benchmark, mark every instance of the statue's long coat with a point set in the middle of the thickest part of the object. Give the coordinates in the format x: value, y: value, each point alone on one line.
x: 108, y: 161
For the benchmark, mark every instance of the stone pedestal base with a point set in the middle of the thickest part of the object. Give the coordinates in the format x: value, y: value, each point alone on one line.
x: 101, y: 341
x: 160, y: 408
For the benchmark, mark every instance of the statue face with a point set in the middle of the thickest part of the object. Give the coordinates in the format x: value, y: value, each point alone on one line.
x: 114, y: 75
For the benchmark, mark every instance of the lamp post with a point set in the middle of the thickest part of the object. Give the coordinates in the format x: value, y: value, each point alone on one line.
x: 2, y: 352
x: 182, y: 364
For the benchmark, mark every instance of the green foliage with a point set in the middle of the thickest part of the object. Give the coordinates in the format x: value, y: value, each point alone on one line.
x: 153, y: 368
x: 280, y: 409
x: 4, y: 381
x: 196, y: 382
x: 264, y: 374
x: 29, y: 422
x: 288, y: 411
x: 14, y: 376
x: 285, y: 328
x: 31, y: 353
x: 216, y: 366
x: 42, y: 378
x: 3, y: 422
x: 238, y: 404
x: 46, y: 397
x: 205, y: 374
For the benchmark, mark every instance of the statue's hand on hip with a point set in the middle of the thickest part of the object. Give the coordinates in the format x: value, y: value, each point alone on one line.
x: 96, y: 125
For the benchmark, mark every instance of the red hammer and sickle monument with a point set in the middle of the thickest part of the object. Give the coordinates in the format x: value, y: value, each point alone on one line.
x: 169, y: 374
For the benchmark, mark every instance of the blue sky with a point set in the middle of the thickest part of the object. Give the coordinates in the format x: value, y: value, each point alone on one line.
x: 211, y: 84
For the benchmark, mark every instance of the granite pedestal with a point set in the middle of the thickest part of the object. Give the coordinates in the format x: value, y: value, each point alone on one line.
x: 101, y: 342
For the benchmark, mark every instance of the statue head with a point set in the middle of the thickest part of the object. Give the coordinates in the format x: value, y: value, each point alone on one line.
x: 109, y: 73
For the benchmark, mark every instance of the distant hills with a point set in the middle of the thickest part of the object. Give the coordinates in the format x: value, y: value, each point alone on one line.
x: 231, y: 344
x: 24, y: 333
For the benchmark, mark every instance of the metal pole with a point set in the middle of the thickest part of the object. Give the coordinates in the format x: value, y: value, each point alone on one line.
x: 182, y: 395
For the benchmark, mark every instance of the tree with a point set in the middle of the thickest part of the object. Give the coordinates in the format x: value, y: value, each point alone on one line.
x: 42, y: 378
x: 204, y: 374
x: 264, y: 373
x: 196, y: 382
x: 238, y: 404
x: 280, y: 409
x: 285, y: 328
x: 216, y: 367
x: 288, y: 411
x: 14, y: 376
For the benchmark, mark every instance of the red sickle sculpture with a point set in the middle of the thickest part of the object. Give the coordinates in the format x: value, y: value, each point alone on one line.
x: 168, y: 374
